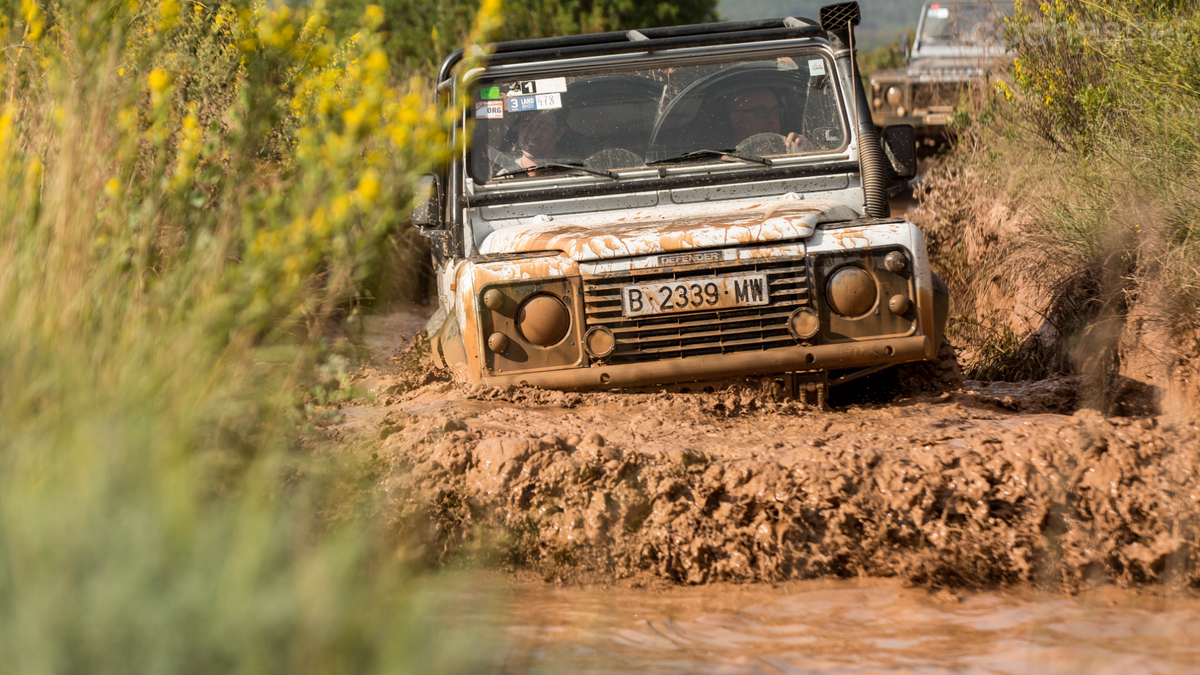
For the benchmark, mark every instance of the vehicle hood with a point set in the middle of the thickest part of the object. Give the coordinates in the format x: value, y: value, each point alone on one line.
x: 634, y: 232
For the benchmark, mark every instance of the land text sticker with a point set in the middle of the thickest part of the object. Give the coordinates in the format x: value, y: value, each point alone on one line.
x: 816, y: 67
x: 536, y: 102
x: 549, y: 86
x: 489, y: 110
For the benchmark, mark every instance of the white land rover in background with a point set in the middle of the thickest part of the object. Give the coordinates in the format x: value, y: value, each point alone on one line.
x: 675, y: 207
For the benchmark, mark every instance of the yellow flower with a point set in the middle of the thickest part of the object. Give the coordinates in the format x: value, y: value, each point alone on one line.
x: 168, y: 14
x: 368, y: 187
x: 373, y: 16
x: 33, y: 18
x: 112, y: 188
x: 158, y: 80
x: 377, y: 62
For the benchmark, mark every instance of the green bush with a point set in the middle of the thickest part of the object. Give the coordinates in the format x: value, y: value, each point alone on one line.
x: 1096, y: 137
x: 188, y: 194
x: 420, y: 33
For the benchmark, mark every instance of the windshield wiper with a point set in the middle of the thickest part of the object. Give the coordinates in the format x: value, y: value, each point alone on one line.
x: 721, y: 153
x: 566, y: 166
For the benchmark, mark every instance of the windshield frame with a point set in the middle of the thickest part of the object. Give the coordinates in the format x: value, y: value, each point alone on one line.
x: 642, y: 177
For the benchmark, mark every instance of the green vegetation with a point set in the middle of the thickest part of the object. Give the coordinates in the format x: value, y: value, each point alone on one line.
x: 882, y: 22
x: 1095, y: 140
x: 189, y: 194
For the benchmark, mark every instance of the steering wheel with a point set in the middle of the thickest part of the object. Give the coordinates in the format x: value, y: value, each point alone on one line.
x: 500, y: 163
x: 764, y: 144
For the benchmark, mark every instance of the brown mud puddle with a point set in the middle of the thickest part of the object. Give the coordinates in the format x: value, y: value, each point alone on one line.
x: 989, y: 484
x: 848, y: 626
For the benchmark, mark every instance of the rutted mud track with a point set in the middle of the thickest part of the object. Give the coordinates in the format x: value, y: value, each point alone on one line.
x: 987, y: 484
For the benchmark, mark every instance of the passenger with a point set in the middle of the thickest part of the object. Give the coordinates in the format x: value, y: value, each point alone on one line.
x: 757, y: 111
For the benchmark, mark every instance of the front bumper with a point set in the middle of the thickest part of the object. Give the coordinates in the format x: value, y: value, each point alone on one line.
x: 859, y: 354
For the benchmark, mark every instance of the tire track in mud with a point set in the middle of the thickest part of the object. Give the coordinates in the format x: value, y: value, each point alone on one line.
x: 975, y: 487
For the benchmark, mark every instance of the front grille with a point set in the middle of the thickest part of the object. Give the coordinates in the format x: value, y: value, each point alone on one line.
x: 723, y: 331
x: 938, y: 94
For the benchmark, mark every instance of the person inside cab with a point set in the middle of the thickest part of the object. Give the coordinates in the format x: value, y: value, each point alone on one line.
x: 758, y: 111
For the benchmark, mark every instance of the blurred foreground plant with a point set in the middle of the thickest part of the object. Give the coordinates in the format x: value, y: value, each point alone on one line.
x: 188, y: 193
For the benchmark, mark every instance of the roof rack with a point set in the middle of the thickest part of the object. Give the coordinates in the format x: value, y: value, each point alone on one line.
x: 645, y: 39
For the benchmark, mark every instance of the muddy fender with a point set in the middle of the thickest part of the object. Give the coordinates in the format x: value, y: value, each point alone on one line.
x: 445, y: 338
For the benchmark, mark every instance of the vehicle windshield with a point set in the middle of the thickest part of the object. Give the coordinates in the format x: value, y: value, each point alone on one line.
x: 612, y: 121
x: 961, y: 22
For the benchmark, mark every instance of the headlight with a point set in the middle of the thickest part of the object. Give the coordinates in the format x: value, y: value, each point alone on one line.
x: 894, y: 96
x: 543, y: 320
x: 851, y: 291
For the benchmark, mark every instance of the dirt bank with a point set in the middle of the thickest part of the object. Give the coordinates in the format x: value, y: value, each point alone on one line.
x: 989, y: 484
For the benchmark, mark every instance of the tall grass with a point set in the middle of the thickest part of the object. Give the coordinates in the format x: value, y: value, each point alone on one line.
x: 188, y: 194
x: 1096, y: 138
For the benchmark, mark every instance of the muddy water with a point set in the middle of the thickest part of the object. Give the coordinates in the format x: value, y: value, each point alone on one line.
x: 858, y: 626
x: 988, y: 484
x: 841, y: 526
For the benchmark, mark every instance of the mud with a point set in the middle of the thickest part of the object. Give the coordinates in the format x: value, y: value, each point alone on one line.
x: 847, y: 626
x: 987, y: 484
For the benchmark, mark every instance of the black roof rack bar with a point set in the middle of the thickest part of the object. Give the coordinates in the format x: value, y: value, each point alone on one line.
x: 622, y: 36
x: 667, y: 37
x: 653, y: 44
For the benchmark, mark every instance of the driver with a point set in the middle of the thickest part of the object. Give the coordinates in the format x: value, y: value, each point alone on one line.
x: 757, y: 111
x: 538, y: 134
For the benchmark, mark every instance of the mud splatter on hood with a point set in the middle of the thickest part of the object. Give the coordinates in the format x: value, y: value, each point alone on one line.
x: 634, y: 232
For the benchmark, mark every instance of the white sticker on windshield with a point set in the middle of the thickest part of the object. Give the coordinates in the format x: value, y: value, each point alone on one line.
x: 489, y: 110
x: 939, y: 12
x: 547, y: 86
x: 538, y: 102
x: 816, y: 67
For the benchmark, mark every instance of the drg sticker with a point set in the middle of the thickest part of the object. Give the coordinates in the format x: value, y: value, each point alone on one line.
x: 816, y: 67
x: 489, y: 110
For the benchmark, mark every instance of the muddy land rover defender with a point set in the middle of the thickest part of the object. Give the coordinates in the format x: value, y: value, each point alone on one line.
x: 676, y: 207
x: 957, y: 45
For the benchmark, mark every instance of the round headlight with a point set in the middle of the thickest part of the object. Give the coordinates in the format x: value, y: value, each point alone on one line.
x: 804, y: 324
x: 893, y: 96
x: 851, y: 291
x: 497, y: 342
x: 899, y: 304
x: 543, y: 320
x: 599, y: 342
x: 493, y: 299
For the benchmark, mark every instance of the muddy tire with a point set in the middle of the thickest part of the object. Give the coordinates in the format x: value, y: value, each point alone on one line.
x: 941, y: 374
x: 910, y: 379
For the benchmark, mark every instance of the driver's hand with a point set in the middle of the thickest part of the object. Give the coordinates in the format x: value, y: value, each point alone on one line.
x: 799, y: 143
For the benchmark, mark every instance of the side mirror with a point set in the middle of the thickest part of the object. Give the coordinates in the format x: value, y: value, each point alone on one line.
x: 900, y: 148
x: 427, y: 202
x: 904, y: 48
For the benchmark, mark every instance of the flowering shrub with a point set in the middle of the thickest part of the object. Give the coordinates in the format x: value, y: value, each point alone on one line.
x: 188, y: 192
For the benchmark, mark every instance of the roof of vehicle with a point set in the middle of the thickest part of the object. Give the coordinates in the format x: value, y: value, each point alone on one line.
x: 645, y: 39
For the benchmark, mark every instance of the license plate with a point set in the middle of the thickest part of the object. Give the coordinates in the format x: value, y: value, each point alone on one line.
x: 695, y: 295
